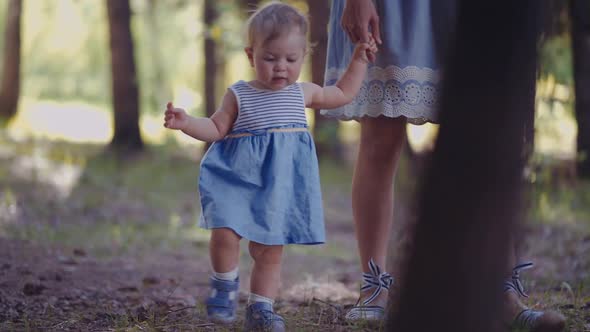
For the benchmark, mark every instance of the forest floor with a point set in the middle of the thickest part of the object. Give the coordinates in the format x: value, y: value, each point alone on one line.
x: 90, y: 243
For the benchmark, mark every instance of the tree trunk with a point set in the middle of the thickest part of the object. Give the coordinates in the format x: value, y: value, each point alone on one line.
x: 248, y: 5
x: 472, y: 193
x: 580, y: 14
x: 213, y: 60
x: 160, y: 88
x: 125, y: 90
x: 326, y: 129
x: 10, y: 88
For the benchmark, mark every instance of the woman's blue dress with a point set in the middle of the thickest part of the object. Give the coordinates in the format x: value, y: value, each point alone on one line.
x: 405, y: 78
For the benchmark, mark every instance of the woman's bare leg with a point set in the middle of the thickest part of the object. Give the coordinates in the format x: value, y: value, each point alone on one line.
x: 381, y: 143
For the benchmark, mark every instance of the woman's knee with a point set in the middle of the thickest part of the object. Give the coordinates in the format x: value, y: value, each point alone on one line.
x: 382, y: 139
x: 266, y: 254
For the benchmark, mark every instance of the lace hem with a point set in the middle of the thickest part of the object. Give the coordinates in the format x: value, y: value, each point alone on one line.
x: 411, y: 92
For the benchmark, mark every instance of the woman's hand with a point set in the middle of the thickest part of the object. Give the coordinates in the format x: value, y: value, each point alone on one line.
x: 356, y: 19
x: 175, y: 118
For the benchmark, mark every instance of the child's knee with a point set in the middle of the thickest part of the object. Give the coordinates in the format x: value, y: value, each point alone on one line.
x: 224, y: 237
x: 262, y: 253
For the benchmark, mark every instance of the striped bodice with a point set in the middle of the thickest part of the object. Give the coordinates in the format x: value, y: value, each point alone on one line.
x: 262, y: 109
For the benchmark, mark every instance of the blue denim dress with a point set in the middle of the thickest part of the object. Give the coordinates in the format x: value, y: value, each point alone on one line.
x: 265, y: 186
x: 405, y: 78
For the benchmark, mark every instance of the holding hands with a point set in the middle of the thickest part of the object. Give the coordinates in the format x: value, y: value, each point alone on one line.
x: 365, y: 51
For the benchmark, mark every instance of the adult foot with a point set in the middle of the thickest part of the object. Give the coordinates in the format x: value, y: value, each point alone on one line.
x: 521, y: 318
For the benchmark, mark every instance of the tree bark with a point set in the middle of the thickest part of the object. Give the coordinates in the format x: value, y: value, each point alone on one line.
x: 10, y: 84
x: 125, y: 89
x: 472, y: 195
x: 213, y: 60
x: 580, y: 15
x: 326, y: 130
x: 160, y: 88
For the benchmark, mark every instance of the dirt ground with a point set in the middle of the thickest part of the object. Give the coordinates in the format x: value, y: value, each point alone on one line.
x: 50, y: 284
x: 53, y: 288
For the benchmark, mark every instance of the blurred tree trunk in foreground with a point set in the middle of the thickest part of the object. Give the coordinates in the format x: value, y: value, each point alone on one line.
x: 325, y: 129
x: 125, y: 90
x: 471, y: 195
x: 10, y: 82
x: 580, y: 18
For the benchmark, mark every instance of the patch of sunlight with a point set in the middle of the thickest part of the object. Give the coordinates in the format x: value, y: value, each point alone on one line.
x: 174, y: 223
x: 196, y: 234
x: 422, y: 138
x: 310, y: 116
x: 64, y: 31
x: 186, y: 98
x: 81, y: 122
x: 562, y: 92
x: 349, y: 131
x: 71, y: 121
x: 238, y: 68
x: 9, y: 209
x: 328, y: 290
x: 62, y: 177
x: 556, y: 130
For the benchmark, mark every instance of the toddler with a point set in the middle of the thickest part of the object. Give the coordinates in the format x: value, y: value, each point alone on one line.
x: 259, y: 180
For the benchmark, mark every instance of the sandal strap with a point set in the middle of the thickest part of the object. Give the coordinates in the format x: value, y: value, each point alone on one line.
x: 223, y: 293
x: 513, y: 284
x: 224, y: 285
x: 372, y: 312
x: 375, y: 279
x: 527, y: 319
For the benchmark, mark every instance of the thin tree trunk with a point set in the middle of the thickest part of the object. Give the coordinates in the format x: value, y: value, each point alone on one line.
x: 213, y: 60
x: 125, y: 90
x: 472, y: 193
x: 10, y: 84
x: 580, y: 14
x: 161, y: 91
x: 326, y: 129
x: 248, y: 5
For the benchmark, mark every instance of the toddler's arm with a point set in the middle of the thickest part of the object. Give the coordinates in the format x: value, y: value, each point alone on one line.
x: 347, y: 86
x: 204, y: 129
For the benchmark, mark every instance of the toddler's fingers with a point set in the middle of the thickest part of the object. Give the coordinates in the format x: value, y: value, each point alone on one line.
x: 371, y: 56
x: 169, y: 105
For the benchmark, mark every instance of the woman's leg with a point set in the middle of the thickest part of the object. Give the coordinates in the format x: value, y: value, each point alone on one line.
x: 381, y: 143
x: 266, y: 272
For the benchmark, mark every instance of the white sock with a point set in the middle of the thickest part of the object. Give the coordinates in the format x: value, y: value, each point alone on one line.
x: 259, y: 298
x: 229, y: 276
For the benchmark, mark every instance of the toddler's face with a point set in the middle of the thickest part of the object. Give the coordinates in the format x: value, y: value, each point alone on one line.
x: 278, y: 62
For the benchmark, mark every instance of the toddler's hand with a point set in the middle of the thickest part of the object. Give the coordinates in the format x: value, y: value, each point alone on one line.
x: 365, y: 52
x: 175, y: 118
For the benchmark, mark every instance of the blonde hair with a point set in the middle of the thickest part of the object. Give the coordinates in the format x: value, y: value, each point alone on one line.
x: 272, y: 20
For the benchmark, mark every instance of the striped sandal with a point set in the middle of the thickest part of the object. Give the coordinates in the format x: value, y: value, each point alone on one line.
x: 529, y: 320
x: 378, y: 281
